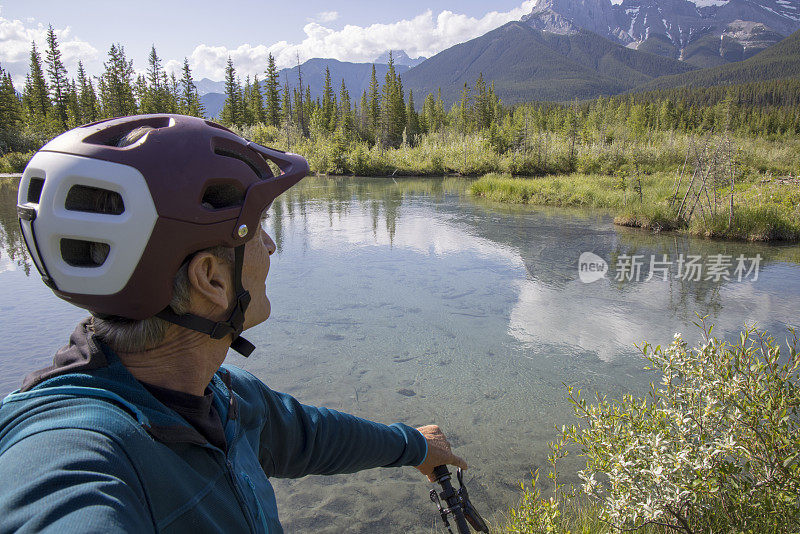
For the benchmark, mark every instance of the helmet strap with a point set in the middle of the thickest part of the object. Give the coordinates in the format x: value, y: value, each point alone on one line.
x: 233, y: 325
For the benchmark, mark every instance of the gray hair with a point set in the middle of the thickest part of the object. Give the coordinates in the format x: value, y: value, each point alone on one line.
x: 130, y: 335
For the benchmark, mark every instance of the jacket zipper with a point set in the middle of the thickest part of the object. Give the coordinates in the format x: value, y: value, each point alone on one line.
x: 258, y: 502
x: 240, y: 497
x: 237, y: 489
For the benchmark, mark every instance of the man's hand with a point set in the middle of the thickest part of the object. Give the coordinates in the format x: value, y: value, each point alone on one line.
x: 438, y: 452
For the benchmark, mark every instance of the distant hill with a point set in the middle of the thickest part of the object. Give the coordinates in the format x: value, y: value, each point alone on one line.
x: 213, y: 103
x: 528, y: 64
x: 779, y: 61
x: 356, y: 77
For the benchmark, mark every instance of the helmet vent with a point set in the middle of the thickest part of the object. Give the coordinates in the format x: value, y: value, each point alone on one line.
x: 78, y: 253
x: 94, y: 200
x: 221, y: 196
x: 227, y: 153
x: 35, y: 190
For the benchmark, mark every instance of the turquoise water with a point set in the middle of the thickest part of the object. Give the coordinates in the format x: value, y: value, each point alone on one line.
x: 408, y: 300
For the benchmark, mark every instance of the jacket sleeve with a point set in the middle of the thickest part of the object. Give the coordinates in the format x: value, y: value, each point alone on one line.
x: 299, y: 440
x: 70, y: 480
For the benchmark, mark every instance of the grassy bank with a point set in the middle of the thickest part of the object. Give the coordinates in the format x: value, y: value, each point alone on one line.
x: 763, y: 210
x: 543, y: 153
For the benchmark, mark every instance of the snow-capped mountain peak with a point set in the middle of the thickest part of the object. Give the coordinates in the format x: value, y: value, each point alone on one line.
x: 701, y: 32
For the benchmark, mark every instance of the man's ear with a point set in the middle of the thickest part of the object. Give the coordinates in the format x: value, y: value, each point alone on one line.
x: 209, y: 284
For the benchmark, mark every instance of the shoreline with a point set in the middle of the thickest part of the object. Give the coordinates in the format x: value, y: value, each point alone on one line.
x: 761, y: 211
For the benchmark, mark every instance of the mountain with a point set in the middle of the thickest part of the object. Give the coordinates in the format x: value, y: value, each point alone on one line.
x: 528, y: 64
x: 356, y: 77
x: 213, y: 104
x: 779, y: 61
x: 704, y: 33
x: 206, y: 86
x: 400, y: 58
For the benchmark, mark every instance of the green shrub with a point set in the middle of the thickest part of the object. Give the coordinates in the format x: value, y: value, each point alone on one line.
x: 715, y: 447
x: 15, y: 162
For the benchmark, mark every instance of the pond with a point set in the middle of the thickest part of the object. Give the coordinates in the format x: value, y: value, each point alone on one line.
x: 409, y: 300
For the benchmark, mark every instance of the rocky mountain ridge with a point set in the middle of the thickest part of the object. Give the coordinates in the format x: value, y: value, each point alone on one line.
x: 704, y: 33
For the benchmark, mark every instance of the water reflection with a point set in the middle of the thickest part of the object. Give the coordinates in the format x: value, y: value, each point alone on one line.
x: 12, y: 252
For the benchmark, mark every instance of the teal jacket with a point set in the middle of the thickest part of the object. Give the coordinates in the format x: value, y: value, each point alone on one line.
x: 85, y: 448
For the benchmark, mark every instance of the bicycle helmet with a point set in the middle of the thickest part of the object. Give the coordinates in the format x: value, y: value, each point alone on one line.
x: 119, y: 258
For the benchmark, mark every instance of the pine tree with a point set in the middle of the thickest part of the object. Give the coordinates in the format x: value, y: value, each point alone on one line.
x: 156, y: 96
x: 328, y: 103
x: 286, y: 106
x: 299, y: 106
x: 59, y: 83
x: 272, y: 90
x: 10, y: 113
x: 345, y: 114
x: 173, y: 94
x: 87, y: 99
x: 257, y: 102
x: 230, y: 114
x: 374, y: 110
x: 140, y: 91
x: 363, y: 114
x: 190, y: 99
x: 116, y: 85
x: 413, y: 128
x: 464, y: 121
x: 36, y: 99
x: 309, y: 105
x: 247, y: 109
x: 426, y: 121
x: 393, y: 108
x: 73, y: 107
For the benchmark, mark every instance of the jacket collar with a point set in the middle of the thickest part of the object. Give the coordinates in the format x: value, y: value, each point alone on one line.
x: 88, y: 362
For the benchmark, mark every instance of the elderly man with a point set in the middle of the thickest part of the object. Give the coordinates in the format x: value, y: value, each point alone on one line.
x: 153, y: 224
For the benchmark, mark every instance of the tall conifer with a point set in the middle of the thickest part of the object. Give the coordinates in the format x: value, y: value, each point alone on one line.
x: 230, y: 114
x: 272, y: 93
x: 328, y: 103
x: 59, y: 83
x: 87, y: 99
x: 190, y: 98
x: 116, y: 84
x: 345, y: 113
x: 374, y: 112
x: 36, y: 98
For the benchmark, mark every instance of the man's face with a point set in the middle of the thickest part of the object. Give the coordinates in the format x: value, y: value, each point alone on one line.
x: 254, y: 276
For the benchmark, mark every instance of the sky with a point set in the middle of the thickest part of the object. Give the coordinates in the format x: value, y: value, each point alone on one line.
x: 208, y: 32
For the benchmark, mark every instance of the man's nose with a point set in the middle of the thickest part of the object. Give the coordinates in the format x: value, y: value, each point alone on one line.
x: 268, y: 242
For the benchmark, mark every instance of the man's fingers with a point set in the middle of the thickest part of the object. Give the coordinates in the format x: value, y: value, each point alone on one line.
x: 458, y: 462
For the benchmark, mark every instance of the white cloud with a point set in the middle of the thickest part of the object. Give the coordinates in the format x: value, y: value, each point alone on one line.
x: 424, y: 35
x: 325, y: 16
x: 15, y: 48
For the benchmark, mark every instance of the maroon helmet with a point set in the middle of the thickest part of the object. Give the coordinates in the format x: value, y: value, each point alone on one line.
x: 121, y: 259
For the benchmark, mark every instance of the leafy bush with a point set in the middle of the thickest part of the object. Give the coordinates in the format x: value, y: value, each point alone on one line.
x: 715, y: 447
x: 15, y: 162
